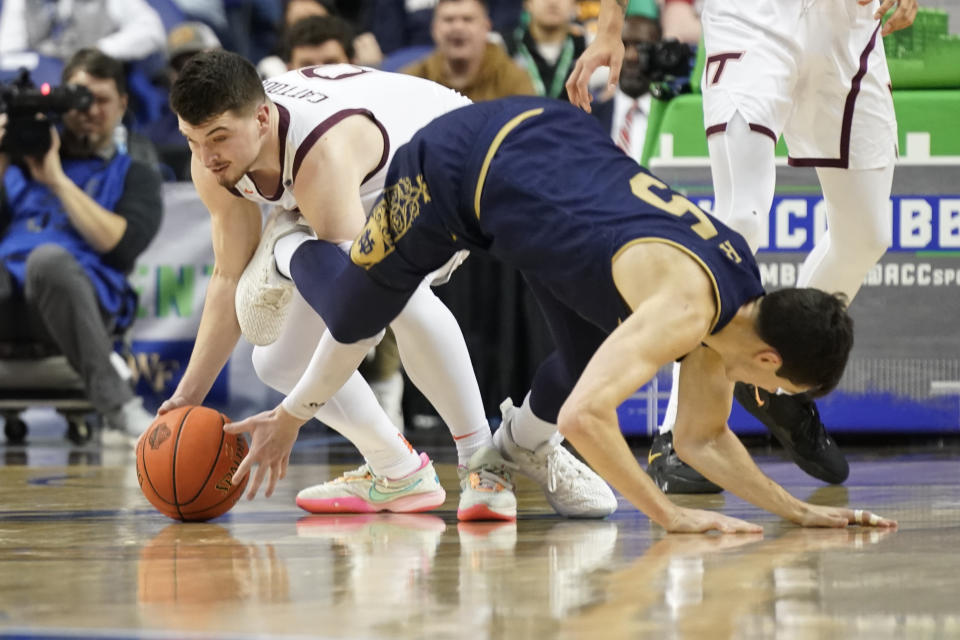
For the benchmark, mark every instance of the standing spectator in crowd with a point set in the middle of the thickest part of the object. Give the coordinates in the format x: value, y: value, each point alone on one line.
x: 123, y: 29
x: 625, y: 114
x: 75, y: 221
x: 548, y: 45
x: 184, y: 41
x: 464, y: 59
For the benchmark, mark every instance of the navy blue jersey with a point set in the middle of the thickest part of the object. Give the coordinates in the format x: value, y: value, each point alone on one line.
x: 539, y: 185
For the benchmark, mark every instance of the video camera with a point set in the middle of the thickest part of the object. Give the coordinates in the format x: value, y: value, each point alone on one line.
x: 665, y: 60
x: 26, y: 133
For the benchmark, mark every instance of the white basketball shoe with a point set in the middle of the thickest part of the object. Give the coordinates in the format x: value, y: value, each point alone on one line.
x: 263, y: 294
x: 486, y: 488
x: 572, y: 488
x: 361, y: 491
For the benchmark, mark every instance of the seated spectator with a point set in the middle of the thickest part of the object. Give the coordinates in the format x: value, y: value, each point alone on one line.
x: 184, y: 41
x: 464, y: 59
x: 75, y: 220
x: 399, y: 24
x: 123, y: 29
x: 318, y: 40
x: 365, y: 48
x: 548, y: 45
x: 625, y: 114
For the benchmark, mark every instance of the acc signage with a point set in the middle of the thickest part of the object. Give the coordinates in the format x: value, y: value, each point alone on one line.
x: 918, y: 223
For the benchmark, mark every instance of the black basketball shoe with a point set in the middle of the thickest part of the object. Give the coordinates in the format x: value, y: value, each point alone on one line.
x: 795, y: 423
x: 672, y: 474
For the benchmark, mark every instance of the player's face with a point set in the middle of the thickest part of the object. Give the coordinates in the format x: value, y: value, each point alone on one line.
x: 761, y: 371
x: 550, y: 13
x: 227, y: 145
x: 460, y: 29
x: 330, y: 52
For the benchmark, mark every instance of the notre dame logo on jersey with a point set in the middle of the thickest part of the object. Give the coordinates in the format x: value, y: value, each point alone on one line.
x: 389, y: 221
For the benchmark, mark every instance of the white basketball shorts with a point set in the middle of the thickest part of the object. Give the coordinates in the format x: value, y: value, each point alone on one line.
x: 813, y: 70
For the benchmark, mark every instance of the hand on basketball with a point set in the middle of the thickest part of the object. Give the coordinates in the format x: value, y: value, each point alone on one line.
x: 175, y: 402
x: 820, y: 516
x: 272, y: 436
x: 606, y: 50
x: 700, y: 521
x: 901, y: 18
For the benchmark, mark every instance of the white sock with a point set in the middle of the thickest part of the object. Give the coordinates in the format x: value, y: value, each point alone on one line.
x: 670, y: 417
x: 284, y: 249
x: 471, y: 443
x: 354, y: 413
x: 529, y: 431
x: 434, y: 355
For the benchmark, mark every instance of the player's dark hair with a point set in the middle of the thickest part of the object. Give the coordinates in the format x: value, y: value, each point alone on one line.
x: 315, y: 31
x: 812, y: 332
x: 97, y: 64
x: 212, y: 83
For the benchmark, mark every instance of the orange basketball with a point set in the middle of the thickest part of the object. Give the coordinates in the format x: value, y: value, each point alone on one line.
x: 185, y: 464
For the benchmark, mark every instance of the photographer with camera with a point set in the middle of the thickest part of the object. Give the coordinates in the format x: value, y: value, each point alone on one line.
x: 75, y: 215
x: 625, y: 114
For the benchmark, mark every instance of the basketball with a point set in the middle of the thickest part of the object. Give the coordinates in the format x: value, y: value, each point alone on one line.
x: 185, y: 464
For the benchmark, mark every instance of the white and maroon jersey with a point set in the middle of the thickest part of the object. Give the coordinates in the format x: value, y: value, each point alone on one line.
x: 313, y: 99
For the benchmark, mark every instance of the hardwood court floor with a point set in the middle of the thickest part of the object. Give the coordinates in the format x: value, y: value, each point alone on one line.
x: 82, y: 554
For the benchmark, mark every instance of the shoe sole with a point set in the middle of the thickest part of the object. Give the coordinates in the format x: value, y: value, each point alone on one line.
x: 354, y: 504
x: 484, y: 512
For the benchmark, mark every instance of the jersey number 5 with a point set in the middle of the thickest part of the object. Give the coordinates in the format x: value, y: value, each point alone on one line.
x: 641, y: 185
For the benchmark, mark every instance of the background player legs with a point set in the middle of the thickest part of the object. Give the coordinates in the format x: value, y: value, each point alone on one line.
x: 744, y: 178
x: 353, y: 411
x: 858, y: 231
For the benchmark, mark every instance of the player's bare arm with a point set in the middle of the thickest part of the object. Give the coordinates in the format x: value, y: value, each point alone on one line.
x: 605, y: 50
x: 235, y: 230
x: 327, y: 188
x: 703, y: 440
x: 673, y: 308
x: 901, y: 19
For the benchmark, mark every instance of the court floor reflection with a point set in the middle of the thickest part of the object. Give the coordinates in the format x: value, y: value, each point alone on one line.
x: 80, y: 549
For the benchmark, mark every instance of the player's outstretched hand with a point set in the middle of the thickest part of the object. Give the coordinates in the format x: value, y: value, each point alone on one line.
x: 820, y: 516
x: 700, y: 521
x: 272, y: 436
x: 901, y: 18
x: 606, y: 50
